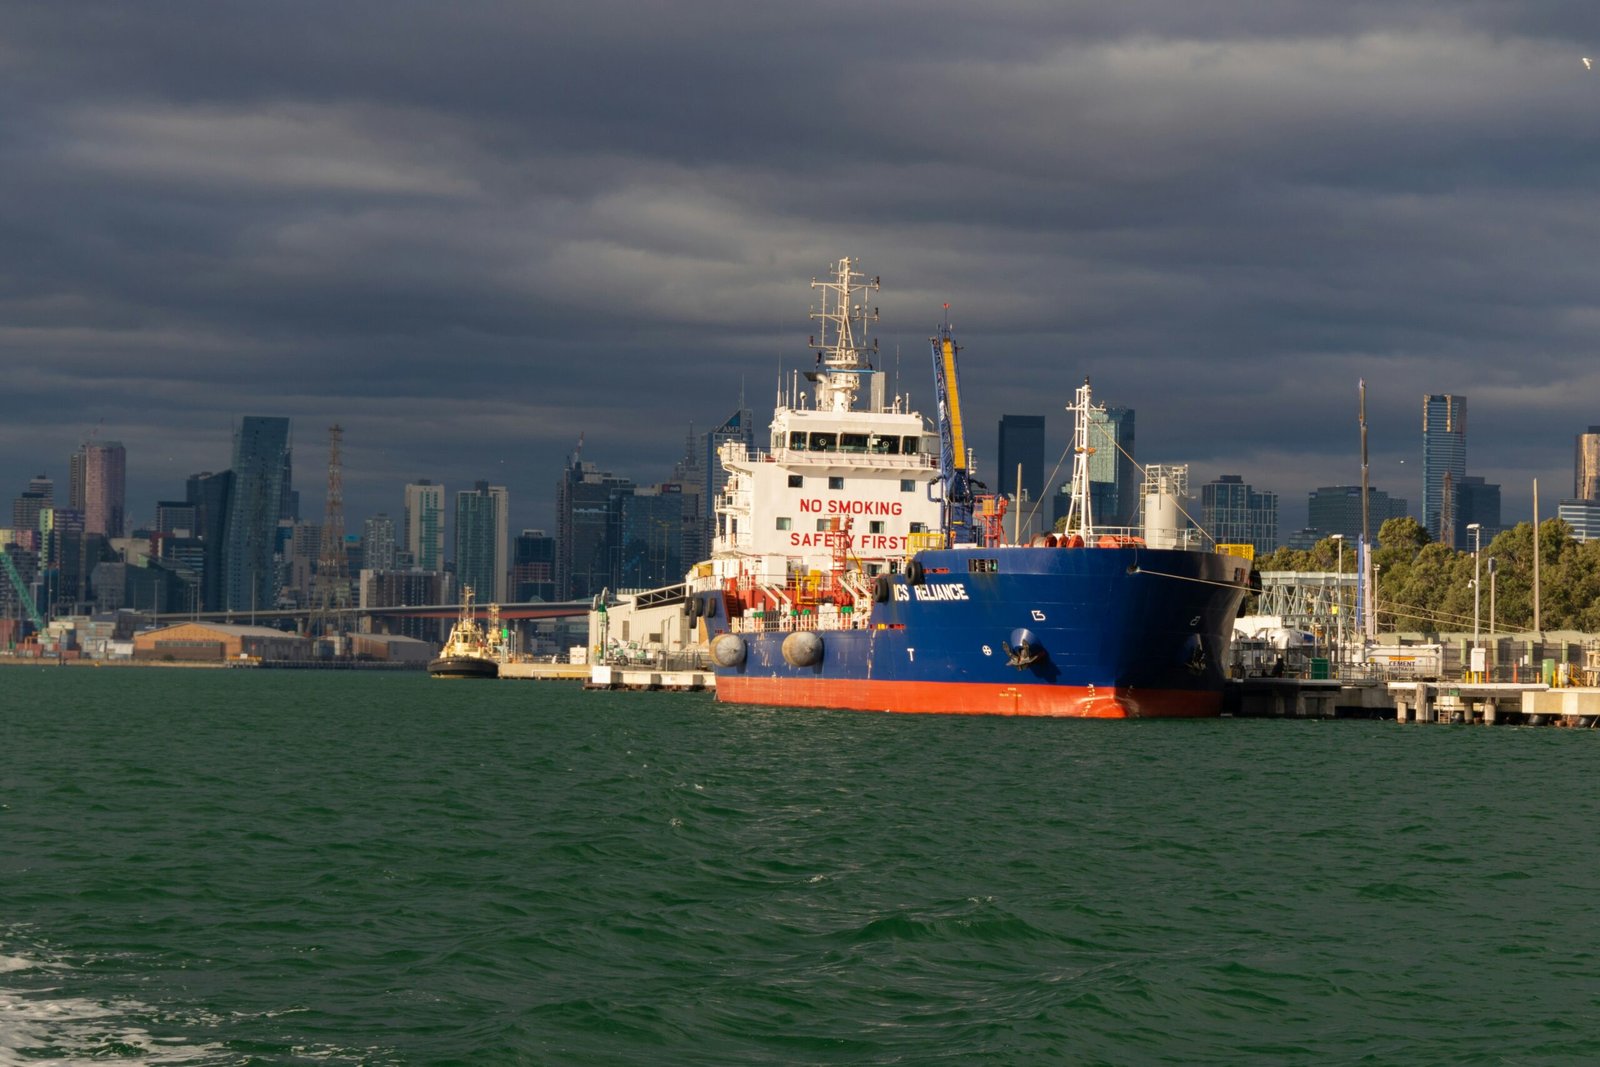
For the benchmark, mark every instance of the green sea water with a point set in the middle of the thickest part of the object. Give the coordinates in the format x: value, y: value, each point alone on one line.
x: 228, y: 867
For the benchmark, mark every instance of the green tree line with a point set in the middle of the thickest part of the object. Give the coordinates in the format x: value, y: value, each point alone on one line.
x: 1424, y: 585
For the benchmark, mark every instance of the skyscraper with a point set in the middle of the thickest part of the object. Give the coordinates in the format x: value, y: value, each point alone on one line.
x: 210, y: 495
x: 99, y: 486
x: 652, y: 537
x: 1235, y: 513
x: 260, y: 445
x: 1336, y: 509
x: 40, y: 494
x: 1021, y: 442
x: 589, y: 530
x: 424, y: 522
x: 377, y: 543
x: 1476, y: 501
x: 533, y: 566
x: 1114, y: 477
x: 481, y: 543
x: 1586, y: 466
x: 1444, y: 462
x: 739, y: 428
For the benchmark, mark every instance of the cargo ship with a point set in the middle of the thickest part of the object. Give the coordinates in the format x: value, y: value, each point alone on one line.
x: 858, y: 564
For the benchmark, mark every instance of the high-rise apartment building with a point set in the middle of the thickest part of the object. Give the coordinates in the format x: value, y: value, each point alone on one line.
x: 1115, y: 481
x: 1586, y: 465
x: 424, y: 525
x: 481, y: 543
x: 1444, y: 463
x: 1235, y: 513
x: 378, y: 543
x: 260, y: 457
x: 98, y: 472
x: 1021, y: 444
x: 1336, y: 509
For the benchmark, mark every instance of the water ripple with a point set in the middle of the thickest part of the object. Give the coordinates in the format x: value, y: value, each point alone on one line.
x: 278, y: 868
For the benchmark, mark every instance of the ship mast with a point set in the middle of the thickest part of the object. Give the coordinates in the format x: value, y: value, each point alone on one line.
x: 1080, y: 515
x: 843, y: 352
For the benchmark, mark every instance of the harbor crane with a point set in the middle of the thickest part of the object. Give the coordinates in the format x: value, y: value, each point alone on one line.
x: 22, y: 591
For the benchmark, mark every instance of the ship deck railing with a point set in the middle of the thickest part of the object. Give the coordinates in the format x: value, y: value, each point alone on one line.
x: 850, y: 458
x: 786, y: 622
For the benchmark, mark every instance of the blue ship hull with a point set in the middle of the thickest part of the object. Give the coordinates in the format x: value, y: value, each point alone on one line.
x: 1088, y: 632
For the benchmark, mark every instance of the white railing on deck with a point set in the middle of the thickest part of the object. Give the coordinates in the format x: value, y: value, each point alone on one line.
x: 847, y: 459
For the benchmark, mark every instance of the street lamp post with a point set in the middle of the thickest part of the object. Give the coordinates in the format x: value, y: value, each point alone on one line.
x: 1477, y: 584
x: 1338, y: 610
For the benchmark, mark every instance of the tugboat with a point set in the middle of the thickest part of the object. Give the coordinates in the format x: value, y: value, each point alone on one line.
x: 470, y: 651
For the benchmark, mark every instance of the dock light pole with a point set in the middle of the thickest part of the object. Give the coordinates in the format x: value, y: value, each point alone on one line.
x: 1338, y: 610
x: 1492, y: 569
x: 1477, y: 583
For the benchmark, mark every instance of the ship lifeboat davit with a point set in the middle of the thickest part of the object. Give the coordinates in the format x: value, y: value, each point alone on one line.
x: 803, y: 649
x: 1023, y: 650
x: 728, y: 650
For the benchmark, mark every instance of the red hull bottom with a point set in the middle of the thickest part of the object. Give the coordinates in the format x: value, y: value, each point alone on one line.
x: 971, y: 698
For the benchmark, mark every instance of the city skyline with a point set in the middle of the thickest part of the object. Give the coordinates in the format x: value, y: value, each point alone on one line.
x: 541, y: 513
x: 1224, y: 217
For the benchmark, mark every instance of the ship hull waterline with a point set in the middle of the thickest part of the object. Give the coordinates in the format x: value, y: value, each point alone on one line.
x: 1110, y: 633
x: 957, y: 698
x: 463, y: 667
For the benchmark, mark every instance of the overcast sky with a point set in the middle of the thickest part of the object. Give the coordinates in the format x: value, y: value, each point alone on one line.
x: 470, y: 232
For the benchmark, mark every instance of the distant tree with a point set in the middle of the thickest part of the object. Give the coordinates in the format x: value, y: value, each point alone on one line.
x: 1425, y: 585
x: 1402, y: 533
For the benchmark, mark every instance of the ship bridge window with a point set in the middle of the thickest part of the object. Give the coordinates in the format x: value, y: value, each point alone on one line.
x: 911, y: 445
x: 824, y: 442
x: 887, y: 445
x: 797, y: 441
x: 982, y: 566
x: 852, y: 442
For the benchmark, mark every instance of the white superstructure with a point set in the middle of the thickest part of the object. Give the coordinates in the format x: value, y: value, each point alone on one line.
x: 848, y: 477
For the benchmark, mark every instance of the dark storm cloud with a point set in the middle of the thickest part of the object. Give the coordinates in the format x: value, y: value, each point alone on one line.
x: 470, y: 233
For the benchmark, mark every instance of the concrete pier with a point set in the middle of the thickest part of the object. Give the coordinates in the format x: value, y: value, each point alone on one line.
x: 1570, y: 707
x: 649, y: 678
x: 545, y: 672
x: 1463, y: 702
x: 1307, y: 698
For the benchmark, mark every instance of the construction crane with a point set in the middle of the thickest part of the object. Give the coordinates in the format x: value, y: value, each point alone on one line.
x: 957, y: 518
x: 22, y: 591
